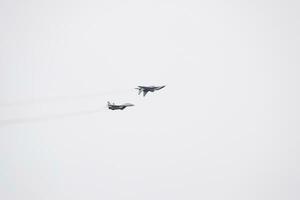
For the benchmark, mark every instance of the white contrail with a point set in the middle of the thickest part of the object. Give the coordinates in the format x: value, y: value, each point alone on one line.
x: 62, y: 98
x: 48, y: 117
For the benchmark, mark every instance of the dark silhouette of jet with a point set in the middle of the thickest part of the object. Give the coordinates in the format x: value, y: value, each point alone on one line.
x: 146, y: 89
x: 118, y: 107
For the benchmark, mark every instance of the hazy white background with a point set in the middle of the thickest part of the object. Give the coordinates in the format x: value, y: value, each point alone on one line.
x: 225, y: 127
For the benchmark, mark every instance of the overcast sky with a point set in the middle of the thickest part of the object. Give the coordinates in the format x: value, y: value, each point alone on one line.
x: 226, y: 126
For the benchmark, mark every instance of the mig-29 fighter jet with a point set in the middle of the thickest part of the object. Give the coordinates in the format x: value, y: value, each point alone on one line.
x: 118, y: 107
x: 146, y: 89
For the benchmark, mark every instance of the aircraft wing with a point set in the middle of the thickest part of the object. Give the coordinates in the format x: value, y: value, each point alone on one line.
x: 140, y: 92
x: 145, y: 92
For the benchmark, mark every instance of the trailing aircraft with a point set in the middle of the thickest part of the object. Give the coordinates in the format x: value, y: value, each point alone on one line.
x: 113, y: 106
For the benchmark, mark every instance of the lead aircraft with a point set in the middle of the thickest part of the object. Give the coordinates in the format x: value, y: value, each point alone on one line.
x: 146, y: 89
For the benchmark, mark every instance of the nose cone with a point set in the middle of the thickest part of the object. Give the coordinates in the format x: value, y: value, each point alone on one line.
x: 129, y: 104
x: 162, y: 87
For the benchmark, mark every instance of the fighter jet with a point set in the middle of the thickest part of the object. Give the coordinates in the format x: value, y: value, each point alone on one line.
x: 146, y: 89
x: 118, y: 107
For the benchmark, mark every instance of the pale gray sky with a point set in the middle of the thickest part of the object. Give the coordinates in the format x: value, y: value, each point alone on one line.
x: 225, y: 127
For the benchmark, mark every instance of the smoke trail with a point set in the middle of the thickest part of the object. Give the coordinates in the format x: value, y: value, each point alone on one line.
x: 63, y: 98
x: 48, y: 117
